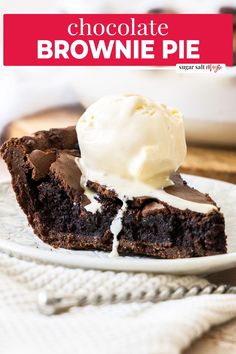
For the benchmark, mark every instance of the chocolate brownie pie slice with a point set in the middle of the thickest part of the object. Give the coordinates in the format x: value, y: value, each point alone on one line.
x: 69, y: 206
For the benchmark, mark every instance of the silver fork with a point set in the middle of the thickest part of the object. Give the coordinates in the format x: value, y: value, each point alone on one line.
x: 50, y: 304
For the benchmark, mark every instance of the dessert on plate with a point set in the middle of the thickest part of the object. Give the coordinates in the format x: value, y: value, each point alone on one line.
x: 111, y: 183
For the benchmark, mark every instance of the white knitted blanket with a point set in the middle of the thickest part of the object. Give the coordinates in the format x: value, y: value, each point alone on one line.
x: 166, y: 327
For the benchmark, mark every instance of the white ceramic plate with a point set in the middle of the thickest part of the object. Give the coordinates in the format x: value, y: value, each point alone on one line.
x: 17, y: 238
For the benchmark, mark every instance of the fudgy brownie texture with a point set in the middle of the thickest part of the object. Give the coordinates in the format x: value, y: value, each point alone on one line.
x: 46, y: 180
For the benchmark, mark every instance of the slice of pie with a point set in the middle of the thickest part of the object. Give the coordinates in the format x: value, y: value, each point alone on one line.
x: 46, y: 180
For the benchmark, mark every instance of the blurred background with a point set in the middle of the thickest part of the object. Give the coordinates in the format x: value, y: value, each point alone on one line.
x: 36, y: 98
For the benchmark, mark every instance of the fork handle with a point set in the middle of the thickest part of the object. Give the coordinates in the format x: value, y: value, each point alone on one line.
x: 50, y: 304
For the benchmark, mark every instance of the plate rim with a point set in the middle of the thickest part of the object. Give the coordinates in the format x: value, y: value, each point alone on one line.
x: 129, y: 263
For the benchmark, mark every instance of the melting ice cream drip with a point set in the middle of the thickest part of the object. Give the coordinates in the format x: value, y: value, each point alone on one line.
x: 94, y: 204
x: 116, y: 227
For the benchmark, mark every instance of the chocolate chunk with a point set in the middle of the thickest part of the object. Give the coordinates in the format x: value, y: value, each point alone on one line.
x: 107, y: 193
x: 66, y: 170
x: 40, y: 162
x: 152, y: 208
x: 181, y: 190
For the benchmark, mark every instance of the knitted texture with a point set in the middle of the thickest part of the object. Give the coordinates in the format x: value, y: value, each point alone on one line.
x: 166, y: 327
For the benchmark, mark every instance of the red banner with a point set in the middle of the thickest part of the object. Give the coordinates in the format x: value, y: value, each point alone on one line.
x: 120, y: 39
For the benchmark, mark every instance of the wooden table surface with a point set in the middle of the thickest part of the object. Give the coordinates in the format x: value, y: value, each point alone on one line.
x: 204, y: 161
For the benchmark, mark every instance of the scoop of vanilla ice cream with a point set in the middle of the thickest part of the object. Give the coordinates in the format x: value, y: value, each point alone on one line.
x: 132, y: 137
